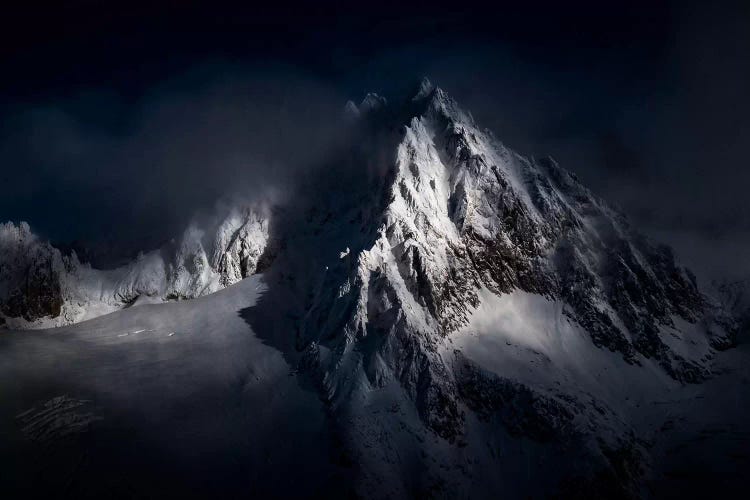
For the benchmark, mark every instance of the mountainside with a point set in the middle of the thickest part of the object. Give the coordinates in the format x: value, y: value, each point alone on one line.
x: 40, y: 287
x: 735, y: 298
x: 476, y: 323
x: 459, y: 213
x: 435, y: 221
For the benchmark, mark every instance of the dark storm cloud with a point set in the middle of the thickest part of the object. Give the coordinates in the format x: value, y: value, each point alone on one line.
x: 645, y: 101
x: 97, y: 168
x: 660, y: 129
x: 691, y: 133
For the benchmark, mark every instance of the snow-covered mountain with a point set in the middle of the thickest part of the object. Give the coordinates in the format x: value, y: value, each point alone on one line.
x: 476, y: 323
x: 41, y: 287
x: 453, y: 214
x: 470, y: 289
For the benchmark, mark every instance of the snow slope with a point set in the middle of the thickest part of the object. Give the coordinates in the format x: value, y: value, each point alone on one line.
x: 181, y: 399
x: 185, y: 398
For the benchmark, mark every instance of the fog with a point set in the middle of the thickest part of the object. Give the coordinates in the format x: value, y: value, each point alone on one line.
x: 646, y: 103
x: 129, y: 175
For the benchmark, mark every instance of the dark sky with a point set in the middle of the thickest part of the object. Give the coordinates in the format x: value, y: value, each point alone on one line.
x: 118, y: 122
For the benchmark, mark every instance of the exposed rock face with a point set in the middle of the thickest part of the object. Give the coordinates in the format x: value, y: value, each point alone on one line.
x: 29, y: 272
x: 522, y: 410
x: 240, y: 242
x: 41, y: 287
x: 735, y: 297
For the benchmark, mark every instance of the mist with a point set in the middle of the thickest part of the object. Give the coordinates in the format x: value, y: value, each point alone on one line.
x: 646, y: 103
x: 657, y: 126
x: 127, y: 175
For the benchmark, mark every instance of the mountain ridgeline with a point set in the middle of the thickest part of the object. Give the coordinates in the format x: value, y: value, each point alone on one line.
x: 42, y: 287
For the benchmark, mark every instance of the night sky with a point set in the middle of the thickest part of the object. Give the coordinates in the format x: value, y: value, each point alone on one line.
x: 119, y: 123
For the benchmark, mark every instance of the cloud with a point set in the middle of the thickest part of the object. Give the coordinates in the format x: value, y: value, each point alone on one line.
x: 99, y: 167
x: 660, y: 131
x: 654, y: 120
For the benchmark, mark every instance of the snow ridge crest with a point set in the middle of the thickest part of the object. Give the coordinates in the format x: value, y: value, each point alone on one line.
x: 40, y: 287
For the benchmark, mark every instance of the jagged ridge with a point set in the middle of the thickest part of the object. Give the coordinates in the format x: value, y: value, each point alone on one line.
x: 41, y: 287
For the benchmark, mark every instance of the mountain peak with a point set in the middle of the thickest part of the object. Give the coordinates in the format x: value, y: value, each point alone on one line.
x: 458, y: 218
x: 424, y: 89
x: 372, y: 101
x: 351, y: 110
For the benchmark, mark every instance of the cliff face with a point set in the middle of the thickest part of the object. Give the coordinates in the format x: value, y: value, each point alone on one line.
x: 29, y: 273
